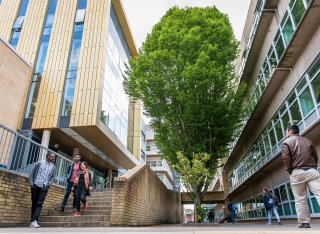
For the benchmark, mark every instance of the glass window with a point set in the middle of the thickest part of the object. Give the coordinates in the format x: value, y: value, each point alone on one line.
x: 41, y: 57
x: 297, y: 11
x: 306, y: 102
x: 316, y: 88
x: 68, y: 97
x: 301, y: 85
x: 315, y: 204
x: 288, y: 31
x: 74, y: 57
x: 82, y: 4
x: 295, y: 113
x: 290, y: 192
x: 272, y: 138
x: 314, y: 69
x: 286, y: 209
x: 18, y: 23
x: 80, y: 16
x: 272, y: 58
x: 279, y: 132
x: 283, y: 193
x: 285, y: 121
x: 266, y: 71
x: 279, y: 46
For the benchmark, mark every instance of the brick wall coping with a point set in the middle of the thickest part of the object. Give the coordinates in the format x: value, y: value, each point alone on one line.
x: 14, y: 51
x: 4, y: 171
x: 131, y: 173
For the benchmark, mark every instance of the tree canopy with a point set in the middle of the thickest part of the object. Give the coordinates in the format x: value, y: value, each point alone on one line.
x: 184, y: 74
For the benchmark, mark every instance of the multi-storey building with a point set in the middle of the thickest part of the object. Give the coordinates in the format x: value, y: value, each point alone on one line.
x: 157, y: 163
x: 75, y: 98
x: 280, y: 62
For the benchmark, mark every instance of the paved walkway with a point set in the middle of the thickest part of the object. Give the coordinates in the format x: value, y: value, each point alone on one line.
x: 169, y: 229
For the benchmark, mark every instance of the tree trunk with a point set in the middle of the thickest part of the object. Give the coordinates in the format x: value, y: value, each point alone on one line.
x: 197, y: 203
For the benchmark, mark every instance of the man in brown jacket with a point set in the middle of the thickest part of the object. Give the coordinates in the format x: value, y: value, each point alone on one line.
x: 301, y: 160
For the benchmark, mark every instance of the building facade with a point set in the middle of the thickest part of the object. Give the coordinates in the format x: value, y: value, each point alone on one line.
x: 74, y: 97
x: 157, y: 163
x: 280, y: 62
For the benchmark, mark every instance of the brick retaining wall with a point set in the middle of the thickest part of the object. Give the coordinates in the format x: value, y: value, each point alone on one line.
x: 15, y: 199
x: 140, y: 198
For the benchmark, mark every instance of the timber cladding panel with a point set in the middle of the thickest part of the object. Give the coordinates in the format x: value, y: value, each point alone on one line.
x: 32, y: 29
x: 91, y: 61
x: 53, y: 78
x: 8, y: 12
x: 140, y: 198
x: 15, y: 199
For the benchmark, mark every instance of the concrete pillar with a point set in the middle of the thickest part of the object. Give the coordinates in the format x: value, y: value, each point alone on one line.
x: 110, y: 177
x: 45, y: 143
x: 75, y: 151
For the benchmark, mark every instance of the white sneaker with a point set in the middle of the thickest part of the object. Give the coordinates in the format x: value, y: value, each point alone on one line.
x: 34, y: 224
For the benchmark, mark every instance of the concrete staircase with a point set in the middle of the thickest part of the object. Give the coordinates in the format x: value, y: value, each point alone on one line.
x: 97, y: 215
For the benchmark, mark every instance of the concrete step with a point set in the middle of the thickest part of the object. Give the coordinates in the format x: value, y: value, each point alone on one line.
x: 99, y: 203
x: 90, y: 207
x: 99, y: 198
x: 102, y: 195
x: 70, y: 219
x: 88, y: 212
x: 75, y: 224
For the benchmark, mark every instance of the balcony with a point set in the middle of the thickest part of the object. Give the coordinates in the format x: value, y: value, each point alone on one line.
x: 307, y: 26
x: 259, y: 29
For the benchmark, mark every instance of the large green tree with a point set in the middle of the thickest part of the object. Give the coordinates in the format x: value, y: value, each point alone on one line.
x: 184, y: 74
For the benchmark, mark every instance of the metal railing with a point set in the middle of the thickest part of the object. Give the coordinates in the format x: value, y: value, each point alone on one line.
x: 104, y: 185
x: 19, y: 153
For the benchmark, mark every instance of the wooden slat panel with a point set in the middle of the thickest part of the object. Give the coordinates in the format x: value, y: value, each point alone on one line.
x: 86, y: 97
x: 8, y: 12
x: 32, y: 29
x: 53, y: 79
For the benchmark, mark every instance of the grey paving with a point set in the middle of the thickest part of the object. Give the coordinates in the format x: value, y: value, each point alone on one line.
x: 168, y: 229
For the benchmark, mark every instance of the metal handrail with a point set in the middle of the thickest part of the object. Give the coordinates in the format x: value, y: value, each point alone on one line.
x: 19, y: 153
x: 102, y: 186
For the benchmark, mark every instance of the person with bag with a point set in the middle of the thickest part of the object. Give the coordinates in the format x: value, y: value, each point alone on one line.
x: 72, y: 172
x: 271, y: 204
x: 40, y: 180
x: 300, y: 160
x: 232, y: 208
x: 81, y: 188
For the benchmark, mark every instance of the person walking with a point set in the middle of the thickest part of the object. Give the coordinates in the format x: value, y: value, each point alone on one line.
x: 72, y: 172
x: 40, y: 179
x: 270, y: 203
x: 300, y: 159
x: 232, y: 209
x: 81, y: 187
x: 211, y: 216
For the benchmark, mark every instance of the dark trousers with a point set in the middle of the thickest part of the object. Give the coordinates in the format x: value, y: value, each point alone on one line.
x: 38, y: 195
x: 233, y: 216
x: 80, y: 195
x: 66, y: 196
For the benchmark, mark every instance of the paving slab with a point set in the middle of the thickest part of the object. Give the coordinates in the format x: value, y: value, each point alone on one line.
x: 241, y: 228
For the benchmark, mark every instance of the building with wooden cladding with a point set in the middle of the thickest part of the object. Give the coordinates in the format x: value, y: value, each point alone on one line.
x: 75, y: 98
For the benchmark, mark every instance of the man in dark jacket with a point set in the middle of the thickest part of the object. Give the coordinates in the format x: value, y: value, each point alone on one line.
x: 72, y: 172
x: 40, y: 179
x: 301, y: 160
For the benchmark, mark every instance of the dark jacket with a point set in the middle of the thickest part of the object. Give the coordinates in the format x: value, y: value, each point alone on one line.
x: 34, y: 173
x: 69, y: 171
x: 298, y: 151
x: 266, y: 203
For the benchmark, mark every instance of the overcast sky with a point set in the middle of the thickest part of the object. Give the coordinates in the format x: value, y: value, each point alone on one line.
x: 143, y: 14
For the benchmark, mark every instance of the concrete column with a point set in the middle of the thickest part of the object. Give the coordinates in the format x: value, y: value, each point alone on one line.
x: 45, y: 143
x: 110, y: 177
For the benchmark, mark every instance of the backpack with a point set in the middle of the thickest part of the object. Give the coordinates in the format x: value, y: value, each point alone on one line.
x: 276, y: 201
x: 234, y: 207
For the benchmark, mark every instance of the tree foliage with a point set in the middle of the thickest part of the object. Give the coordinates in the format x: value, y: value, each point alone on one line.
x: 184, y: 74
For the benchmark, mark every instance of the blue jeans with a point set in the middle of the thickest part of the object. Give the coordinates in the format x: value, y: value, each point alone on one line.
x: 233, y: 216
x: 66, y: 196
x: 275, y: 211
